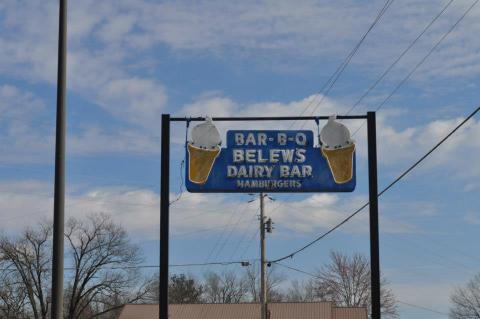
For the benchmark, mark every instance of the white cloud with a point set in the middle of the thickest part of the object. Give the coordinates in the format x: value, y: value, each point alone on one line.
x: 272, y: 33
x: 107, y: 37
x: 454, y: 156
x: 99, y: 71
x: 23, y: 203
x: 427, y: 294
x: 94, y: 140
x: 472, y: 218
x: 395, y: 145
x: 137, y: 209
x: 20, y: 142
x: 28, y: 135
x: 104, y: 38
x: 141, y: 101
x: 16, y: 105
x: 218, y: 105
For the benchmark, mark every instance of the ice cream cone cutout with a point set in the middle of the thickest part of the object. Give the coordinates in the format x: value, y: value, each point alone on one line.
x: 338, y: 148
x: 203, y: 149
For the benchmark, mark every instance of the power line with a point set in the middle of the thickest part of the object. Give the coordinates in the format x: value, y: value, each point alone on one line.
x: 423, y: 308
x: 405, y: 79
x: 384, y: 190
x: 217, y: 263
x: 181, y: 191
x: 224, y: 233
x: 454, y: 263
x: 240, y: 242
x: 297, y: 270
x: 341, y: 67
x: 382, y: 76
x: 232, y: 229
x: 401, y: 302
x: 387, y: 5
x: 250, y: 242
x: 203, y: 230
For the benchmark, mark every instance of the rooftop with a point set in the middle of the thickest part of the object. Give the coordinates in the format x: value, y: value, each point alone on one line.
x: 284, y: 310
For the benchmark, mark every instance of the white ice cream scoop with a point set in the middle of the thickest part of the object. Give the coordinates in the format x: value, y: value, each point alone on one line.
x: 335, y: 135
x: 205, y: 135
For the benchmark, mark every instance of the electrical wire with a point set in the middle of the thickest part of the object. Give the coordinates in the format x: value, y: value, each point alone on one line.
x: 182, y: 164
x: 423, y: 308
x: 216, y: 263
x: 232, y: 230
x: 250, y: 242
x: 240, y: 242
x: 341, y: 67
x: 400, y: 177
x: 387, y: 70
x: 404, y: 52
x: 405, y: 79
x: 399, y: 301
x: 204, y: 230
x: 180, y: 193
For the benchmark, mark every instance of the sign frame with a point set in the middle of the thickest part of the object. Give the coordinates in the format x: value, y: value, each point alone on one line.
x: 372, y: 186
x: 296, y: 150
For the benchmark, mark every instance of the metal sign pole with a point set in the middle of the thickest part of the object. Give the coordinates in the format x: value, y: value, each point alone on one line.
x: 373, y: 191
x: 164, y: 216
x: 59, y: 192
x: 263, y: 269
x: 373, y: 197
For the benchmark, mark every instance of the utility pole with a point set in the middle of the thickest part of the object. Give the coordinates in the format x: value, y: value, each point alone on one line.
x: 265, y: 226
x: 59, y: 194
x: 263, y: 270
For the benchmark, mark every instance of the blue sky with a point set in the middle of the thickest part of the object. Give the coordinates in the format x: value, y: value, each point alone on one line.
x: 131, y: 61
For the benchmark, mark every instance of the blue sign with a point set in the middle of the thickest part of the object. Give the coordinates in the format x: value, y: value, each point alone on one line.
x: 269, y: 161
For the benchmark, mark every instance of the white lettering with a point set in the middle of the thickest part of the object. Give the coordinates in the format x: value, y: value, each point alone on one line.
x: 284, y: 171
x: 250, y: 156
x: 300, y: 155
x: 231, y: 171
x: 269, y: 171
x: 301, y: 139
x: 287, y: 155
x: 260, y: 157
x: 306, y: 170
x: 250, y: 139
x: 238, y: 156
x: 262, y: 139
x: 242, y: 171
x: 295, y: 172
x: 259, y: 171
x: 274, y: 154
x: 239, y: 139
x: 282, y: 138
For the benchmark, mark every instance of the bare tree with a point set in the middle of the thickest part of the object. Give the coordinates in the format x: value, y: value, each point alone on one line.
x: 182, y: 288
x: 226, y: 287
x: 26, y: 262
x: 13, y: 297
x: 466, y: 300
x: 274, y: 279
x: 346, y: 281
x: 105, y: 275
x: 301, y: 291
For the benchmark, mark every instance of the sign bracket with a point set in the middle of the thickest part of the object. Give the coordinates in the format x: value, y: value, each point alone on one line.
x: 165, y: 201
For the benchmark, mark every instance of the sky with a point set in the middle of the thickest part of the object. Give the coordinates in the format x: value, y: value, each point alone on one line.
x: 131, y: 61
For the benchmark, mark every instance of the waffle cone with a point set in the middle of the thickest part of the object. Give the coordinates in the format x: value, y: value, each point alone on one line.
x: 200, y: 163
x: 340, y: 162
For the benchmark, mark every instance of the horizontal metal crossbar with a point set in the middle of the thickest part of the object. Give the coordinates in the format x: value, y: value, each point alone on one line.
x: 267, y: 118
